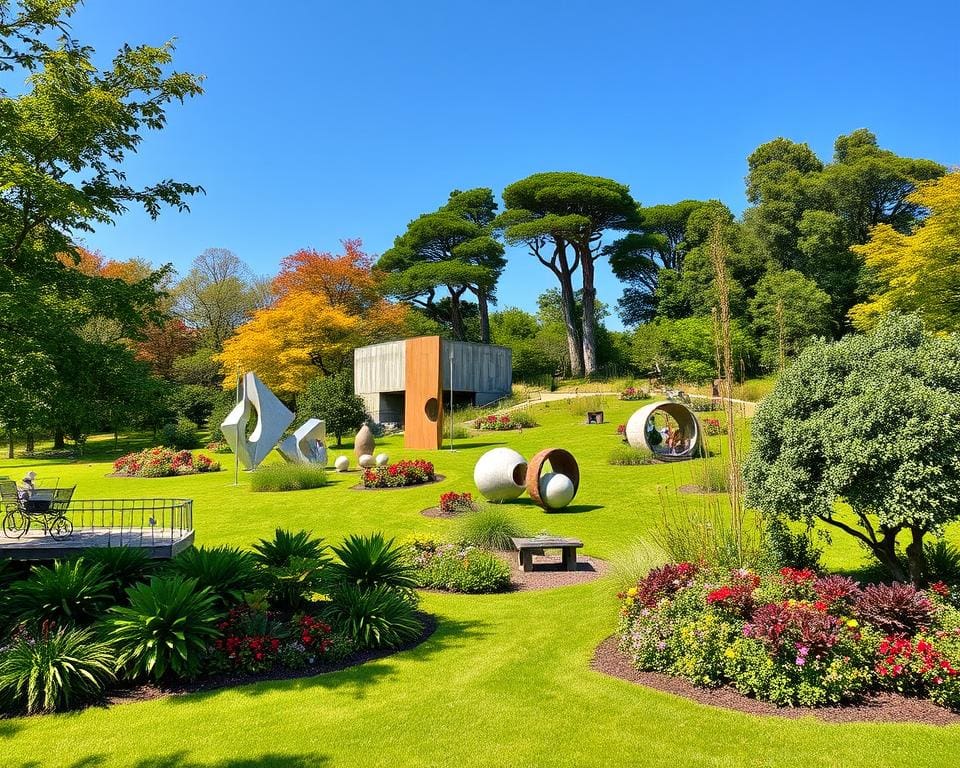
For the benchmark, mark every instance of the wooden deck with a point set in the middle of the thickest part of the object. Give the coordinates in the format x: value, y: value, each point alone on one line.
x: 35, y: 545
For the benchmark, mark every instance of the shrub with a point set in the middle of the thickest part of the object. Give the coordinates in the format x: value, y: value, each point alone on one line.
x: 376, y: 617
x: 288, y: 477
x: 633, y: 393
x: 523, y: 419
x: 489, y: 527
x: 54, y: 670
x: 285, y: 546
x: 838, y: 593
x: 66, y: 592
x: 227, y: 572
x: 661, y: 583
x: 628, y: 456
x: 398, y: 475
x: 370, y: 561
x: 123, y: 566
x: 460, y: 568
x: 250, y: 641
x: 943, y: 561
x: 894, y: 609
x: 912, y: 665
x: 453, y: 503
x: 494, y: 423
x: 165, y: 628
x: 181, y: 434
x: 163, y: 462
x: 713, y: 427
x: 781, y: 547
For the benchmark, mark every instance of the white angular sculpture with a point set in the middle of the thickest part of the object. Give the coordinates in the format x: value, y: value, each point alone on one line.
x: 366, y: 461
x: 382, y: 459
x: 273, y: 418
x: 640, y: 425
x: 500, y: 474
x: 556, y: 490
x: 306, y: 444
x: 342, y: 464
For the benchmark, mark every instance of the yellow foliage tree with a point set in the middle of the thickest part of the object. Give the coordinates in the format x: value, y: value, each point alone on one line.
x: 326, y: 306
x: 919, y: 271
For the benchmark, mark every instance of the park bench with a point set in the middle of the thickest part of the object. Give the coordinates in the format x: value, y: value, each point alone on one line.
x: 527, y: 548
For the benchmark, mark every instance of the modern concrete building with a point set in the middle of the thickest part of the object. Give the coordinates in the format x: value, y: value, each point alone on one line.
x: 391, y: 376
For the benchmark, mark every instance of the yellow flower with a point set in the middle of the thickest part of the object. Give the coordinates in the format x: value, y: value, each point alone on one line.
x: 629, y: 601
x: 632, y: 592
x: 729, y: 653
x: 853, y: 623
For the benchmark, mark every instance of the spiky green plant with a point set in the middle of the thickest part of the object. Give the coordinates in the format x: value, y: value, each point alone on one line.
x: 227, y: 571
x: 124, y: 566
x: 165, y: 629
x: 54, y: 670
x: 285, y: 545
x: 376, y: 617
x: 368, y: 561
x: 490, y: 527
x: 65, y: 592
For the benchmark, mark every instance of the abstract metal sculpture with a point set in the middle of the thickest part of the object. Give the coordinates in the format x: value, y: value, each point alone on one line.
x: 687, y: 438
x: 273, y: 418
x: 562, y: 463
x: 499, y: 474
x: 306, y: 444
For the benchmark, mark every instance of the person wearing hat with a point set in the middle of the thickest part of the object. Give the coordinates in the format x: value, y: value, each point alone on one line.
x: 28, y: 484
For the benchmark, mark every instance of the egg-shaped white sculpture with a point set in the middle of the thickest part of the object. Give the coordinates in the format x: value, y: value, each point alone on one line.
x: 342, y: 464
x: 500, y: 474
x: 366, y: 461
x: 556, y: 490
x: 382, y: 459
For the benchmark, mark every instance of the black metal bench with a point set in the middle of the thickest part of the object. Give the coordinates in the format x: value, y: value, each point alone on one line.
x: 527, y: 548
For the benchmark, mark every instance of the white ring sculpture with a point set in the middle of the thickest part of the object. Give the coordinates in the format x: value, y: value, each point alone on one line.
x: 639, y: 427
x: 500, y: 474
x: 306, y: 444
x: 273, y: 417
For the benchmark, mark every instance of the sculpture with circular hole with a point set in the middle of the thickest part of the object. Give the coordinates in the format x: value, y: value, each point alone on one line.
x: 640, y: 431
x: 499, y: 474
x: 561, y: 462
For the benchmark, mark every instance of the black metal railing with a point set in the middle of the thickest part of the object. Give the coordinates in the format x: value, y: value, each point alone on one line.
x: 131, y: 521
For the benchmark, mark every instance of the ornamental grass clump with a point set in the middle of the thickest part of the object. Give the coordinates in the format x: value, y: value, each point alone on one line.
x: 628, y: 456
x: 287, y: 477
x: 489, y: 527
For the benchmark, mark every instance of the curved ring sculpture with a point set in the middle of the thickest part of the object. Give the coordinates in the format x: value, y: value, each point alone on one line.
x: 306, y: 444
x: 499, y: 474
x: 563, y: 463
x: 640, y: 428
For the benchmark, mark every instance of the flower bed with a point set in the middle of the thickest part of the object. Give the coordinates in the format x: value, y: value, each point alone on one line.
x: 795, y: 638
x: 632, y: 393
x: 458, y: 567
x: 163, y: 462
x: 453, y: 503
x: 713, y: 427
x: 493, y: 423
x: 399, y: 475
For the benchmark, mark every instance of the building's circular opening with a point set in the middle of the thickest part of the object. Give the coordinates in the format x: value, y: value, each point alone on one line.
x: 432, y: 409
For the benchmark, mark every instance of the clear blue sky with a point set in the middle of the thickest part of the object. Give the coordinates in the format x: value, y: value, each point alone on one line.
x: 331, y: 120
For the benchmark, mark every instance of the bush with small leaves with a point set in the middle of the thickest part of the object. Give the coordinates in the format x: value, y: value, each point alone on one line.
x: 54, y: 669
x: 165, y: 629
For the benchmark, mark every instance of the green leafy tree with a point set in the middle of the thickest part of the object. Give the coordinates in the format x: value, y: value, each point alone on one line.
x: 331, y: 398
x: 684, y: 350
x: 786, y: 312
x: 863, y: 435
x: 561, y: 218
x: 452, y: 249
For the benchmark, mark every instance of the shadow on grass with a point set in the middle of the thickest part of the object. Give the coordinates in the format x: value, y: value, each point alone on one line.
x: 182, y: 760
x: 449, y: 634
x: 572, y: 509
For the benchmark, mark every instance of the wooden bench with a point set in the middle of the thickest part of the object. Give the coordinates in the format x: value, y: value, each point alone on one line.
x: 527, y: 548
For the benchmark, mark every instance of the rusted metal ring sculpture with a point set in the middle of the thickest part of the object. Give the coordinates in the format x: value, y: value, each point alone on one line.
x: 561, y: 461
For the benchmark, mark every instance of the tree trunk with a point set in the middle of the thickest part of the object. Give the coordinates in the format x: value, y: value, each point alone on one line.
x: 886, y: 552
x: 9, y: 443
x: 58, y: 441
x: 31, y: 442
x: 456, y: 317
x: 916, y: 560
x: 589, y: 317
x: 482, y: 303
x: 568, y: 304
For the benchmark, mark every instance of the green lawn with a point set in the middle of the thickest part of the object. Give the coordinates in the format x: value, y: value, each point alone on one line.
x: 505, y: 680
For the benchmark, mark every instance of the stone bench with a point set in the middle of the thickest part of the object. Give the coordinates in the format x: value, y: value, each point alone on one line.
x: 527, y: 548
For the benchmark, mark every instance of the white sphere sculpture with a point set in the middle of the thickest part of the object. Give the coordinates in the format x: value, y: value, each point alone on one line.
x: 342, y: 464
x: 382, y: 459
x: 500, y: 474
x: 366, y: 461
x: 556, y: 490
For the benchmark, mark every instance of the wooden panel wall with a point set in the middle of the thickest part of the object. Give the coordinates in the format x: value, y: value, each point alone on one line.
x: 422, y: 385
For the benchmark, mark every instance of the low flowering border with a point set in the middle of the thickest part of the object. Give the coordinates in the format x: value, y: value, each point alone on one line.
x: 399, y: 475
x: 163, y: 462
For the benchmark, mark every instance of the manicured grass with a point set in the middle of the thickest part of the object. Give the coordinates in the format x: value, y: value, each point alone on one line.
x: 504, y: 681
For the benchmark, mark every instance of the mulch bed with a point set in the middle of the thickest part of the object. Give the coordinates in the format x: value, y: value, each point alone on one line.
x: 435, y: 512
x: 436, y: 479
x: 875, y: 708
x: 149, y: 691
x: 549, y: 572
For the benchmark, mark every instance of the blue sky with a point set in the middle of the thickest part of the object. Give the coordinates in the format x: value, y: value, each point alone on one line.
x: 323, y: 121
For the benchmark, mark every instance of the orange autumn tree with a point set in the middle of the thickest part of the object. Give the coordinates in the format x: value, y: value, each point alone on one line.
x: 325, y: 305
